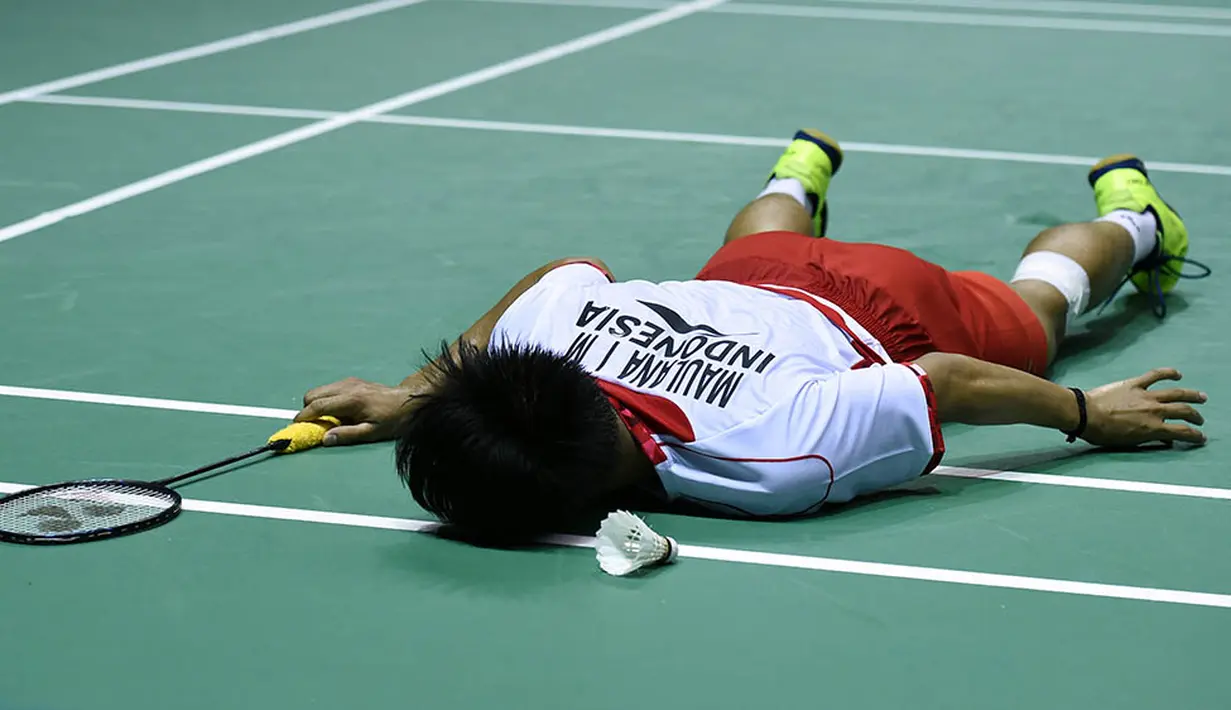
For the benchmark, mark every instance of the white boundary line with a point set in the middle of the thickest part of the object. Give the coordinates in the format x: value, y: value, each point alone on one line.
x: 1054, y: 7
x: 189, y: 107
x: 204, y: 50
x: 973, y: 20
x: 621, y: 133
x: 147, y: 402
x: 1046, y: 479
x: 303, y: 133
x: 719, y: 554
x: 1063, y: 7
x: 952, y: 576
x: 1034, y: 22
x: 1104, y: 484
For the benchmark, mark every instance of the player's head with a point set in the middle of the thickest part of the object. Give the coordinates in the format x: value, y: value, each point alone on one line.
x: 512, y: 442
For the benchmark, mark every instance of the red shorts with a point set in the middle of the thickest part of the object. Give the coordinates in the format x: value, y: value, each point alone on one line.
x: 913, y: 307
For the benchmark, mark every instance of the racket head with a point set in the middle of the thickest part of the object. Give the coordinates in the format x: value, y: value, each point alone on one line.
x: 81, y: 511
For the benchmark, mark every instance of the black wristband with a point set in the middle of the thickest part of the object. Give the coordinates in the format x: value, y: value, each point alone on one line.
x: 1081, y: 410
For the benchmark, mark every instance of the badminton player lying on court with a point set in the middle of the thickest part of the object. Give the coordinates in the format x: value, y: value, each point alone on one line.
x: 791, y: 372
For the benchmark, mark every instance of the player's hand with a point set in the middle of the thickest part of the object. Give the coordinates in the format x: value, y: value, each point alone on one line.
x: 1128, y: 413
x: 368, y: 411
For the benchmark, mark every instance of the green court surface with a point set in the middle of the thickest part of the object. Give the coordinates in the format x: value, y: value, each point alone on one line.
x: 220, y: 293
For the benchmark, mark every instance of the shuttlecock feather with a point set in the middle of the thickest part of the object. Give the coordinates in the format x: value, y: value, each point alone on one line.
x: 626, y: 544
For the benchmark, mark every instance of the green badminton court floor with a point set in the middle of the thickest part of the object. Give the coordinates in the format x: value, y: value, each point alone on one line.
x: 217, y: 292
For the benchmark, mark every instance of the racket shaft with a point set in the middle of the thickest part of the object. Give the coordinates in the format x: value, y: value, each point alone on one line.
x: 276, y: 446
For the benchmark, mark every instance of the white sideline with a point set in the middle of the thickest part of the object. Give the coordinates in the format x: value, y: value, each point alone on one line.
x: 303, y: 133
x: 1046, y: 479
x: 205, y: 50
x: 720, y: 554
x: 619, y: 133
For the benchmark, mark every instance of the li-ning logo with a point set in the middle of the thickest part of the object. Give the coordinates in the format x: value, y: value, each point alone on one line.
x: 677, y: 323
x: 55, y: 518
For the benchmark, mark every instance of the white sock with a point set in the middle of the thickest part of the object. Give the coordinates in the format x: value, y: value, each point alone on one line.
x: 1061, y: 272
x: 1141, y: 225
x: 787, y: 186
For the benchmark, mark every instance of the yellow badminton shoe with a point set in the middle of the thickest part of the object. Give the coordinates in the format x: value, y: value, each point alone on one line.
x: 1122, y: 183
x: 812, y: 158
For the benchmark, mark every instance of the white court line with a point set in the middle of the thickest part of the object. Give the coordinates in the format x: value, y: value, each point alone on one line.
x: 313, y: 130
x: 973, y: 20
x: 188, y: 107
x: 1106, y: 484
x: 621, y: 133
x: 204, y: 50
x: 1061, y: 7
x: 720, y: 554
x: 912, y: 16
x: 147, y: 402
x: 1046, y: 479
x: 1058, y: 7
x: 276, y: 513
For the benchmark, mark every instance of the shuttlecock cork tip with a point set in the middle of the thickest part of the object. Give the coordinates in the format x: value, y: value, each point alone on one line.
x: 673, y: 550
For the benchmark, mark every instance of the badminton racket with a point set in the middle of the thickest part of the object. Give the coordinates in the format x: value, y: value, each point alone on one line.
x: 93, y: 509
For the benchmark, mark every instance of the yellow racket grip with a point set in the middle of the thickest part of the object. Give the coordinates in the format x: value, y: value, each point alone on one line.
x: 304, y: 435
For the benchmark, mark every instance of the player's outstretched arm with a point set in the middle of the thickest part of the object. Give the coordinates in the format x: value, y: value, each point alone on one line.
x: 370, y: 411
x: 1121, y: 414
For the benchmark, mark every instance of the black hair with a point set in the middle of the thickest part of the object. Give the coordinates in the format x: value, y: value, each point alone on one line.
x: 512, y: 442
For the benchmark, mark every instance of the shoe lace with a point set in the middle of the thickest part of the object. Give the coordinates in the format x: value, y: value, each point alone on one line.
x: 1159, y: 265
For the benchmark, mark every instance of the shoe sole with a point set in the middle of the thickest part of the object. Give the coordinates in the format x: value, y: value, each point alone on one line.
x: 1117, y: 162
x: 831, y: 147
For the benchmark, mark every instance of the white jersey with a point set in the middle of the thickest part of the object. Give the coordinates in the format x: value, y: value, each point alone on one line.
x: 750, y: 400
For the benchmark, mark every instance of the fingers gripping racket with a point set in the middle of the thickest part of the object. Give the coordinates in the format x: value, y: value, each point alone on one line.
x: 81, y: 511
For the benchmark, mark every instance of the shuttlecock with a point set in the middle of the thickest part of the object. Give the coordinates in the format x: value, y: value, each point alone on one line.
x: 626, y: 544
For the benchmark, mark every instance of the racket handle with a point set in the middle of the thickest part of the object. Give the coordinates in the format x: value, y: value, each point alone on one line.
x: 302, y: 436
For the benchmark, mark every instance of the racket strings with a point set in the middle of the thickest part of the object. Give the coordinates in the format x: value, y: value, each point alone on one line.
x: 77, y: 509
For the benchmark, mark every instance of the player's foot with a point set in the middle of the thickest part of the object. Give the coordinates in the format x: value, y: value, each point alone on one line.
x: 812, y: 158
x: 1122, y: 183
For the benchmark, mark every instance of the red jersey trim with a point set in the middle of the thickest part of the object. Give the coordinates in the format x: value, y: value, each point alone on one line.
x: 646, y: 414
x: 938, y: 439
x: 587, y: 262
x: 869, y: 355
x: 641, y: 433
x: 788, y: 459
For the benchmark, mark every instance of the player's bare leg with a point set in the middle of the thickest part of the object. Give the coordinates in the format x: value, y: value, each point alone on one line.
x: 794, y: 197
x: 1070, y: 269
x: 774, y: 212
x: 1103, y: 251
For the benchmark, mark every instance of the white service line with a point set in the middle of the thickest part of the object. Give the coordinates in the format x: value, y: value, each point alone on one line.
x: 1046, y: 479
x: 185, y: 107
x: 986, y: 19
x: 953, y: 576
x: 1055, y: 7
x: 1106, y: 484
x: 146, y: 402
x: 619, y: 133
x: 313, y: 130
x: 720, y: 554
x: 1063, y: 7
x: 204, y: 50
